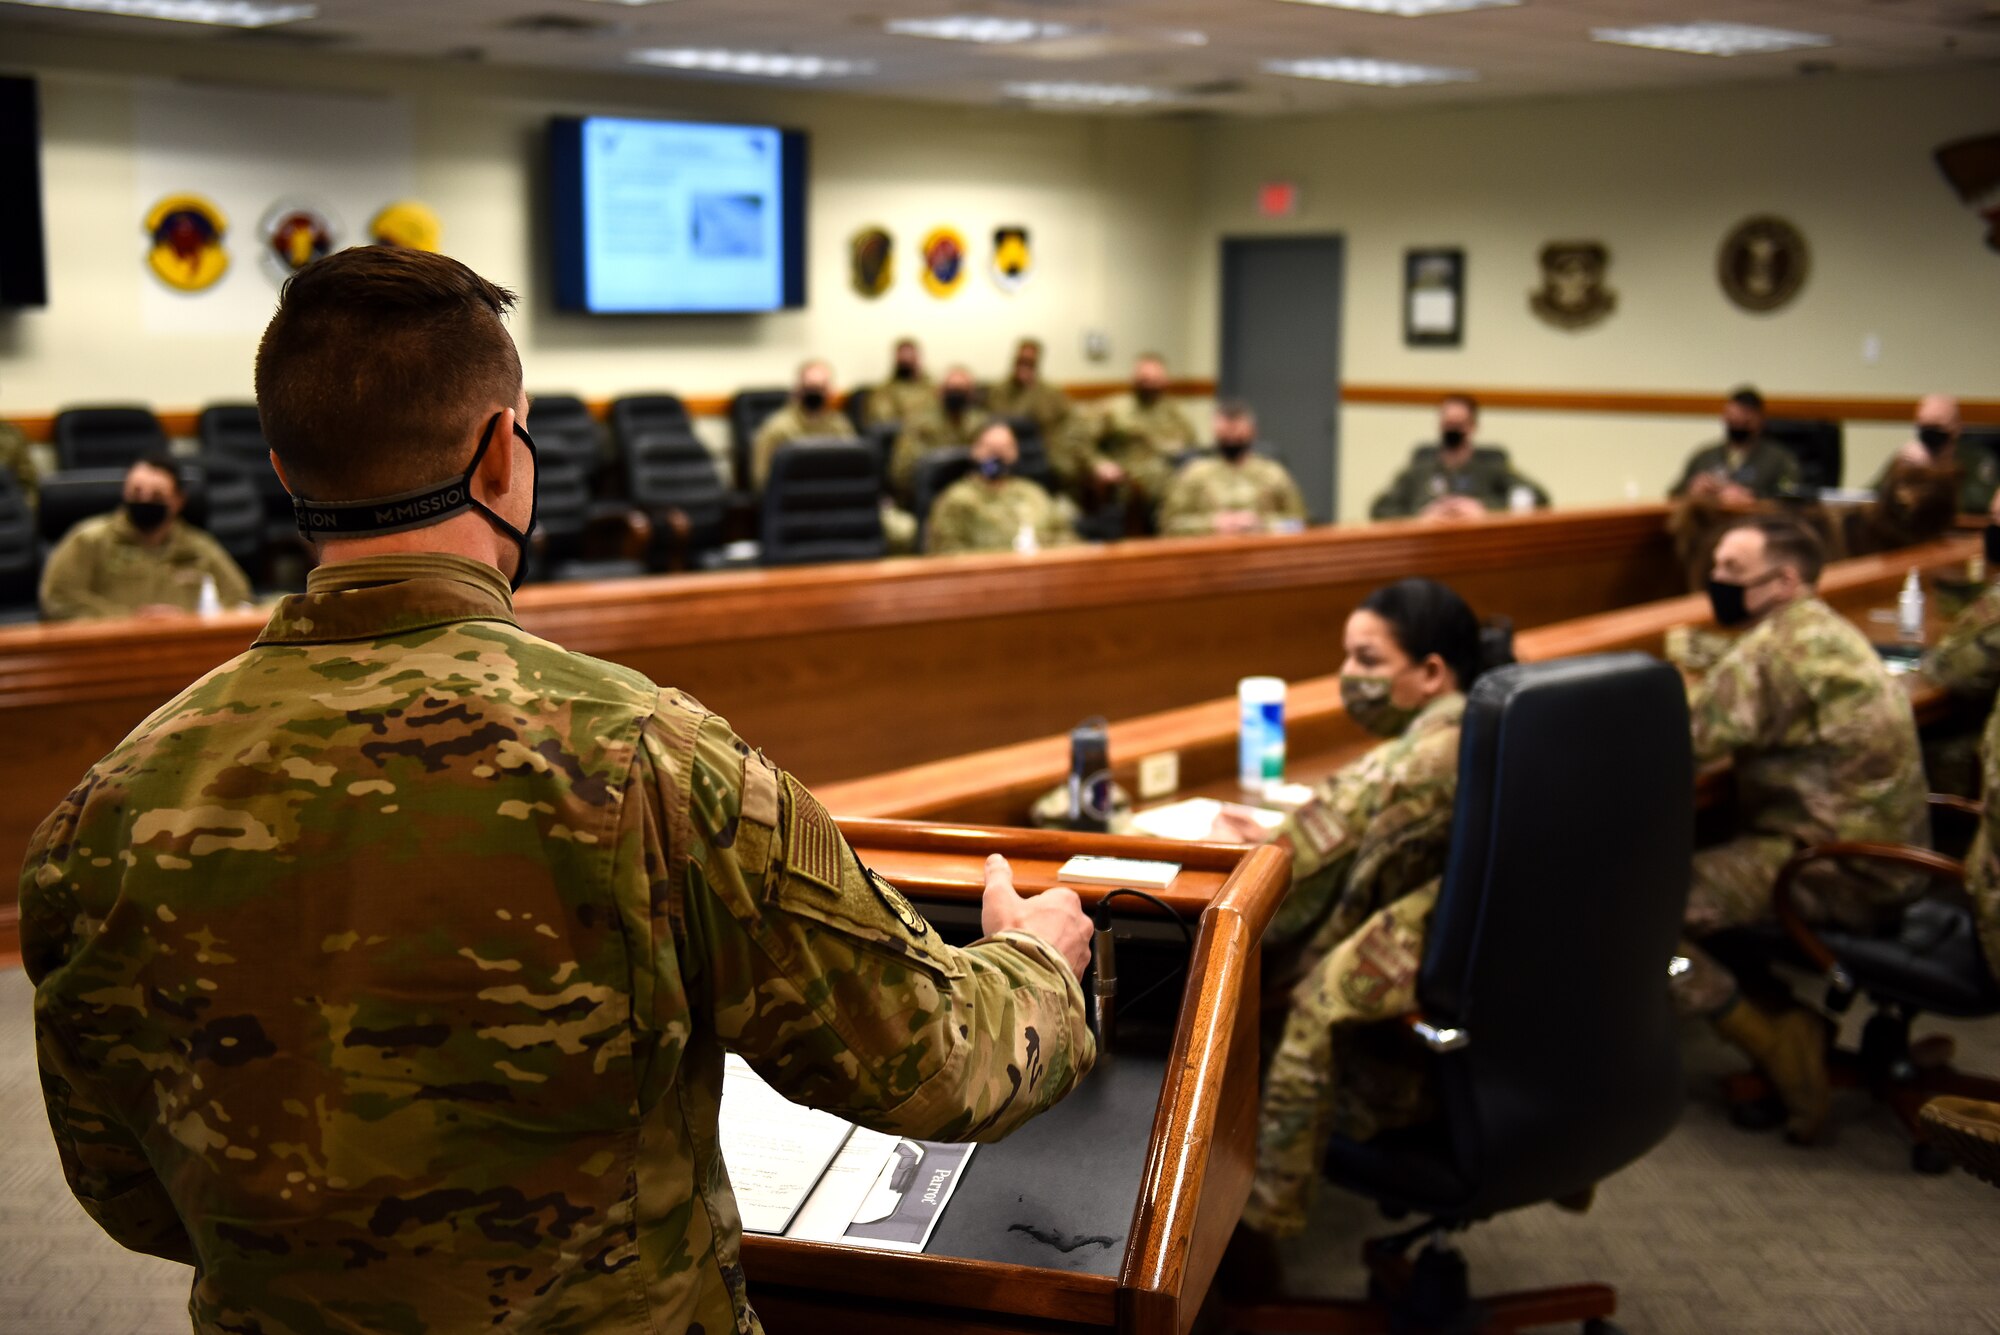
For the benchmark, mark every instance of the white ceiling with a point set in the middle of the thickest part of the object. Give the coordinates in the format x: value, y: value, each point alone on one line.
x: 1538, y: 48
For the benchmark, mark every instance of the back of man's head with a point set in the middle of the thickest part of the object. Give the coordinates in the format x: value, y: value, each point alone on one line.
x: 376, y: 371
x: 1790, y: 544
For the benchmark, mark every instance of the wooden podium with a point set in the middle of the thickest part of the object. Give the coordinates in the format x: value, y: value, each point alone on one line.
x: 1111, y: 1211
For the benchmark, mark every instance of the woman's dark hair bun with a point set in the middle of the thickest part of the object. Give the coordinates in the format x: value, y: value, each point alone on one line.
x: 1427, y: 618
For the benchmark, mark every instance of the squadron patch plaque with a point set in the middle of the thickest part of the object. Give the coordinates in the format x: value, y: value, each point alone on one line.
x: 1763, y: 263
x: 1573, y: 294
x: 295, y: 233
x: 408, y: 224
x: 1012, y: 259
x: 1972, y: 168
x: 187, y: 232
x: 871, y: 261
x: 944, y: 261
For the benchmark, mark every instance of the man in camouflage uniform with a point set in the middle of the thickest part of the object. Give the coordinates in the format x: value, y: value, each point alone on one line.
x: 17, y: 457
x: 991, y: 510
x: 1923, y: 488
x: 1237, y: 491
x: 1456, y: 479
x: 141, y: 559
x: 1743, y: 466
x: 385, y: 974
x: 949, y: 421
x: 809, y: 416
x: 1825, y: 748
x: 1068, y: 434
x: 907, y: 393
x: 1141, y: 434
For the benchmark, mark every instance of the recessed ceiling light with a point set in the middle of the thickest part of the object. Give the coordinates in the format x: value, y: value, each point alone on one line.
x: 223, y: 13
x: 633, y: 2
x: 988, y: 30
x: 1410, y: 9
x: 1374, y: 73
x: 755, y: 64
x: 1087, y: 94
x: 1711, y: 39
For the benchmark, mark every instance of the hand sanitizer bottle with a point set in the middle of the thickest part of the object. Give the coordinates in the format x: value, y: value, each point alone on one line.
x: 209, y: 603
x: 1910, y: 609
x: 1024, y: 539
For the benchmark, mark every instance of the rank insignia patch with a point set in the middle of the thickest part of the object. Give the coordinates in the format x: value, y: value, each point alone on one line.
x: 1012, y: 260
x: 944, y: 262
x: 187, y: 233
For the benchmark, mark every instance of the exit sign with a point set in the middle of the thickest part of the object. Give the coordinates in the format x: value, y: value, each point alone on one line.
x: 1278, y: 199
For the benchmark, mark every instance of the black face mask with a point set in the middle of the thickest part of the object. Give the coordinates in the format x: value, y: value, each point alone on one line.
x: 146, y: 516
x: 1453, y: 437
x: 1731, y: 602
x: 993, y: 468
x: 1738, y: 435
x: 955, y: 401
x: 1146, y: 397
x: 1232, y: 450
x: 1993, y: 547
x: 421, y: 508
x: 1934, y: 438
x: 906, y: 370
x: 812, y: 400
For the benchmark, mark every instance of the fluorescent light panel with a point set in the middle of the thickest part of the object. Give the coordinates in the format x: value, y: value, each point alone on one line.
x: 1087, y: 94
x: 1373, y: 73
x: 755, y: 64
x: 1410, y: 9
x: 985, y: 29
x: 1711, y: 39
x: 221, y: 13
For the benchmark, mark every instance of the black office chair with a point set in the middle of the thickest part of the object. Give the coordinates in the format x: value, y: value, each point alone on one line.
x: 856, y: 407
x: 822, y: 502
x: 935, y: 472
x: 106, y: 437
x: 1555, y: 1049
x: 73, y: 495
x: 636, y: 414
x: 675, y: 481
x: 748, y: 411
x: 1932, y: 964
x: 1034, y: 461
x: 1816, y: 442
x: 20, y: 557
x: 564, y: 516
x: 564, y: 429
x: 1978, y: 445
x: 231, y: 510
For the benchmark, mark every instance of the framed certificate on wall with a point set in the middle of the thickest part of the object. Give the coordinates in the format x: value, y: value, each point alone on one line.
x: 1433, y: 298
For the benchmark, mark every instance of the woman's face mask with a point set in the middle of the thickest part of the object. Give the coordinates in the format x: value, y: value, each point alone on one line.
x: 1370, y: 702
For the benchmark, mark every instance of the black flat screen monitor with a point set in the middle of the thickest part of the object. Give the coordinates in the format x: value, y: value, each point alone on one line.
x: 24, y: 276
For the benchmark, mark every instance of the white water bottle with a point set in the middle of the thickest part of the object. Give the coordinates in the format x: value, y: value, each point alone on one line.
x: 209, y: 602
x: 1260, y: 738
x: 1025, y: 541
x: 1910, y: 609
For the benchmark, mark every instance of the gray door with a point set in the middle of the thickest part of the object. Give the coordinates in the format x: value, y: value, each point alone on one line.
x: 1281, y: 351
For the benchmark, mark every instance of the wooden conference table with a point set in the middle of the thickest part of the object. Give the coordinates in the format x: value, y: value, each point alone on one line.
x: 849, y: 670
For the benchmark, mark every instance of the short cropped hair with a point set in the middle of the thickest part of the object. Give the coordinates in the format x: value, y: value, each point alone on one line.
x: 1471, y: 404
x: 378, y: 367
x: 1746, y: 396
x: 1234, y: 410
x: 1787, y: 542
x: 160, y: 462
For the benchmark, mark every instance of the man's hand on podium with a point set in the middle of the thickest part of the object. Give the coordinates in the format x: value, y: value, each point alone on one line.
x: 1055, y: 915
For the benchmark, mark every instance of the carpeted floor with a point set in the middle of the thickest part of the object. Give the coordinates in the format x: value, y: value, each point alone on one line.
x: 1716, y: 1232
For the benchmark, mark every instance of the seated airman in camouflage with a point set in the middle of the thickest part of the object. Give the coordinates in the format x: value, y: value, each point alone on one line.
x: 385, y: 974
x: 949, y: 421
x: 992, y: 510
x: 142, y: 559
x: 1143, y: 434
x: 1458, y: 478
x: 908, y: 392
x: 809, y: 416
x: 1825, y: 748
x: 1237, y: 491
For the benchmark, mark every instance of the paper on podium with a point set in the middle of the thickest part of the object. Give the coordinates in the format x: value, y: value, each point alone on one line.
x: 775, y: 1150
x: 1192, y: 821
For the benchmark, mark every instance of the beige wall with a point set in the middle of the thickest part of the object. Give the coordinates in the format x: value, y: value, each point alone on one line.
x: 1110, y: 203
x: 1659, y: 178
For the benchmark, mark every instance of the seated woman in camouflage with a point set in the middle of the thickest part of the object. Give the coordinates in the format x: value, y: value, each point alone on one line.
x: 1368, y: 853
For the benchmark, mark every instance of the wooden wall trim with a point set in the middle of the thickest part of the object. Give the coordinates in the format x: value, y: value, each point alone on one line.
x: 180, y: 422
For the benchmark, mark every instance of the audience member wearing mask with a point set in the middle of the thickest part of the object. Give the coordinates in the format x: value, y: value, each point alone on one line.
x: 1368, y: 854
x: 1142, y: 435
x: 1236, y: 491
x: 992, y: 510
x: 1925, y: 485
x: 949, y: 420
x: 19, y: 459
x: 908, y: 393
x: 1825, y: 750
x: 1743, y: 466
x: 141, y: 559
x: 1934, y: 445
x: 809, y: 416
x: 1458, y: 478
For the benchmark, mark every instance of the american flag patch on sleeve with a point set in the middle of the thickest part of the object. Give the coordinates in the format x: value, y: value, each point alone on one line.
x: 813, y: 846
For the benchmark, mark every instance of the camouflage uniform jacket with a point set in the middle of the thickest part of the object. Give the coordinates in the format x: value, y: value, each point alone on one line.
x: 1487, y: 476
x: 1823, y: 738
x: 1764, y: 466
x: 1208, y: 487
x: 1371, y: 834
x: 1966, y: 661
x: 1039, y: 402
x: 386, y: 975
x: 1982, y: 864
x: 931, y: 429
x: 103, y: 568
x: 793, y: 423
x: 1145, y: 440
x: 975, y: 515
x: 17, y: 456
x: 1980, y: 480
x: 901, y: 400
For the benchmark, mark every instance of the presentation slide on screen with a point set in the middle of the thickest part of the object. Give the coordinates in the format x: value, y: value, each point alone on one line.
x: 683, y: 217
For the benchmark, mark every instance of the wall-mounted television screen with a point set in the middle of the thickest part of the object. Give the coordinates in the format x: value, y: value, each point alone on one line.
x: 670, y: 217
x: 24, y: 278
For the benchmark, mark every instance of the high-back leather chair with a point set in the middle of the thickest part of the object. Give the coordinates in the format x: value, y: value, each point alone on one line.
x: 822, y: 502
x: 636, y: 414
x: 232, y: 512
x: 749, y: 409
x: 564, y: 429
x: 75, y: 494
x: 1034, y: 462
x: 1554, y: 1049
x: 20, y: 557
x: 106, y: 437
x: 1818, y: 443
x: 856, y: 406
x: 935, y: 472
x: 674, y: 480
